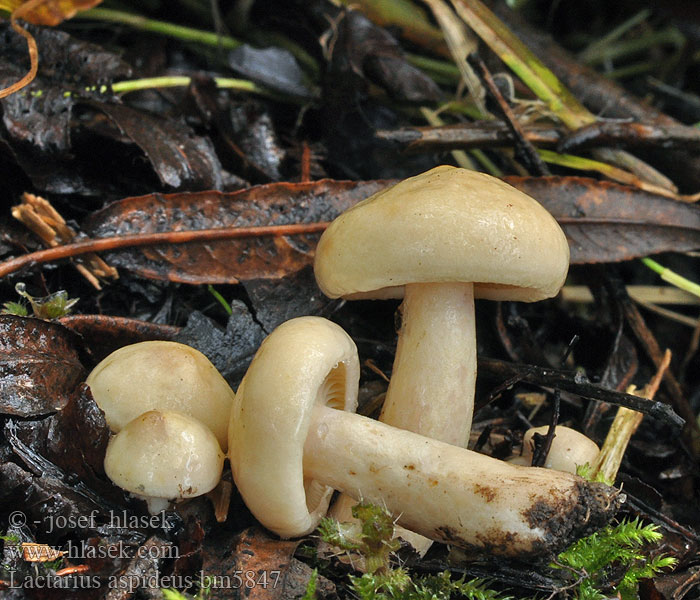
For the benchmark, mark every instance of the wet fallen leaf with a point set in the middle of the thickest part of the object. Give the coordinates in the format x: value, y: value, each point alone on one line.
x: 295, y: 295
x: 46, y: 500
x: 39, y: 366
x: 363, y: 52
x: 258, y: 567
x: 256, y: 141
x: 275, y: 68
x: 33, y: 552
x: 47, y: 12
x: 607, y: 222
x: 180, y: 159
x: 78, y: 436
x: 229, y: 350
x: 232, y: 260
x: 103, y: 334
x: 39, y: 120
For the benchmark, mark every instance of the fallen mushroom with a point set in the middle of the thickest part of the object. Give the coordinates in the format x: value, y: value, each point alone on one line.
x: 161, y: 375
x: 289, y: 444
x: 439, y: 240
x: 570, y: 449
x: 162, y: 456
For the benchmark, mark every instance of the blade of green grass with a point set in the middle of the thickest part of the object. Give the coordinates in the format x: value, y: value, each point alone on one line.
x: 672, y: 277
x: 543, y: 83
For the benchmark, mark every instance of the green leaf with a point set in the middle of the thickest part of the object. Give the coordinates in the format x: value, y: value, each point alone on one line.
x: 310, y: 593
x: 15, y: 308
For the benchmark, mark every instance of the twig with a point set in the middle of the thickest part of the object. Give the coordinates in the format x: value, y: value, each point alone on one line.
x: 524, y: 148
x: 636, y: 322
x: 480, y: 134
x: 623, y: 427
x: 32, y: 48
x: 565, y: 381
x: 153, y: 239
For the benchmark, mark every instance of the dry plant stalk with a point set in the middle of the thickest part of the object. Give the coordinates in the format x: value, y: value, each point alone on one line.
x: 37, y: 215
x: 623, y: 427
x: 38, y: 12
x: 220, y: 498
x: 461, y: 43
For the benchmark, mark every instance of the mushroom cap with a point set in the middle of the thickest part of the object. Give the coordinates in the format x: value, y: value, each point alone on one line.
x: 304, y: 362
x: 570, y: 449
x: 445, y: 225
x: 161, y: 375
x: 164, y: 454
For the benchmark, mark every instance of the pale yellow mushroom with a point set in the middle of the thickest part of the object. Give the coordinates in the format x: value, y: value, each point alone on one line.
x: 293, y: 438
x: 162, y: 456
x: 569, y: 449
x: 161, y: 375
x: 439, y: 240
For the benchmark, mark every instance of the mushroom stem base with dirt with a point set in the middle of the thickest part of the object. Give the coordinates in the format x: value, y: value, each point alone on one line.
x: 451, y: 494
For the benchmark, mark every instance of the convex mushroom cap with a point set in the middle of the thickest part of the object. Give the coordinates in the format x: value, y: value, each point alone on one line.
x: 161, y: 375
x: 445, y: 225
x: 570, y: 449
x: 162, y: 456
x: 306, y: 362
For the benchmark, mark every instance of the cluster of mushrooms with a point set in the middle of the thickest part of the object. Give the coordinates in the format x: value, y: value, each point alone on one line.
x: 437, y: 240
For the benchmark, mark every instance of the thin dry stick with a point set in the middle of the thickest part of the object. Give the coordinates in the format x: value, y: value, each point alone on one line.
x: 19, y: 13
x: 220, y: 498
x: 623, y: 427
x: 523, y: 146
x: 154, y: 239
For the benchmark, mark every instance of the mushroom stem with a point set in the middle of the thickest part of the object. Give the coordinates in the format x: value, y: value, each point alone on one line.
x: 431, y: 391
x: 449, y: 493
x: 432, y: 384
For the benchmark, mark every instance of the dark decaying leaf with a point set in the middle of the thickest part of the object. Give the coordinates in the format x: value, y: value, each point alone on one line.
x: 363, y: 50
x: 268, y: 567
x: 62, y: 174
x: 39, y: 366
x: 39, y: 120
x: 255, y: 141
x: 607, y: 222
x: 46, y: 499
x: 275, y: 68
x: 64, y: 59
x: 103, y: 334
x: 231, y: 350
x: 295, y: 295
x: 78, y: 437
x: 233, y: 260
x: 181, y: 159
x: 604, y: 222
